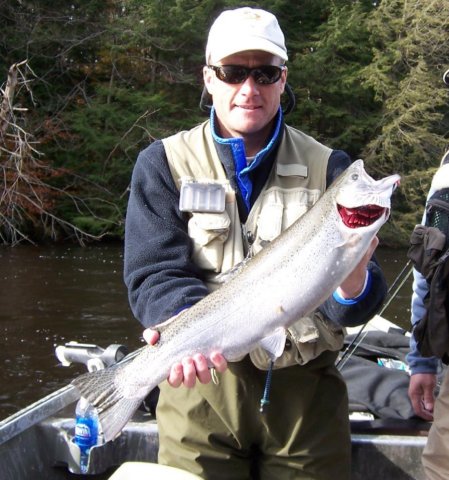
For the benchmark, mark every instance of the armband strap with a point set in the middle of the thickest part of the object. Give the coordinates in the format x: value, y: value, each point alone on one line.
x: 351, y: 301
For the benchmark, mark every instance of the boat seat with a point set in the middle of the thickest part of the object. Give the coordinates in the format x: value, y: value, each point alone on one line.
x: 146, y: 470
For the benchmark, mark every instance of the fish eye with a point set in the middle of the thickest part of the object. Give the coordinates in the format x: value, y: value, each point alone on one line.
x: 355, y: 176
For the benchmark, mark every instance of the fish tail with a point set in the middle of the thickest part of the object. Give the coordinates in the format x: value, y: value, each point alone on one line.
x: 114, y: 410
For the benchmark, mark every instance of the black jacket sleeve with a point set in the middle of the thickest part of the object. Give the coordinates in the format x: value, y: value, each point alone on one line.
x: 158, y: 271
x: 350, y: 315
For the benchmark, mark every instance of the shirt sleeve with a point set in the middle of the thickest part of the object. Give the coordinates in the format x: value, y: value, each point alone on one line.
x: 158, y: 271
x: 362, y: 309
x: 416, y: 362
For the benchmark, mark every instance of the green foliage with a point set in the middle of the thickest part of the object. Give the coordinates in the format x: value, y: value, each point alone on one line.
x: 410, y: 44
x: 411, y: 41
x: 111, y: 76
x: 333, y: 105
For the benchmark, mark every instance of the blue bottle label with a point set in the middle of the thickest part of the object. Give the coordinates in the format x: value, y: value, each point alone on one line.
x: 85, y: 432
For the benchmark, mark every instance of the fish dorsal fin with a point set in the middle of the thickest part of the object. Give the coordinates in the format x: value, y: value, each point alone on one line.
x: 274, y: 344
x: 224, y: 277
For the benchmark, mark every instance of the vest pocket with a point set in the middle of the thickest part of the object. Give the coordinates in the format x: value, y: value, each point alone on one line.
x: 209, y: 231
x: 426, y: 245
x: 277, y: 210
x: 269, y: 224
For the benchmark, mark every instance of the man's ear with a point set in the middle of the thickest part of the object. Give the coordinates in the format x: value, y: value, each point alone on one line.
x: 208, y: 75
x: 206, y: 100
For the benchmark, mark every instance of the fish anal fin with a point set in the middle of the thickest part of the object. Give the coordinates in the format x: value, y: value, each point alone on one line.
x: 224, y: 277
x: 274, y: 344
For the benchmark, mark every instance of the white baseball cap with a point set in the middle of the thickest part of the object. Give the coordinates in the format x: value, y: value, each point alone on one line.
x: 244, y: 29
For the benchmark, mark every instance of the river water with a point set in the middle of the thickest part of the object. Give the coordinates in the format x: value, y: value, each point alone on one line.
x: 55, y: 294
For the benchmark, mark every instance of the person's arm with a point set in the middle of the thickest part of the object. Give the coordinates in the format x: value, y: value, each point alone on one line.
x: 160, y: 276
x: 423, y: 370
x: 417, y: 363
x: 347, y: 311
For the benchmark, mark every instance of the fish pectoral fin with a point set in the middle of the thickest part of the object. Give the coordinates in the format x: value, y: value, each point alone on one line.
x: 274, y: 344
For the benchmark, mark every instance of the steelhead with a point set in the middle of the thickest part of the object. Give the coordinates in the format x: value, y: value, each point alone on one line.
x: 287, y: 280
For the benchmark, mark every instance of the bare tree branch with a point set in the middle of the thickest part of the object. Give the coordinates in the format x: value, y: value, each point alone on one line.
x: 27, y: 196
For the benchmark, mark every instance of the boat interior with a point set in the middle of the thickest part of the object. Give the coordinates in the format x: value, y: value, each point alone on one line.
x: 37, y: 443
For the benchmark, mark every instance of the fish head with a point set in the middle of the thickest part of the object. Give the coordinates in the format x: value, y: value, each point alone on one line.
x: 362, y: 201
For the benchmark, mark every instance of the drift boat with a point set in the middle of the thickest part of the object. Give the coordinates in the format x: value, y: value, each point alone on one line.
x: 387, y: 442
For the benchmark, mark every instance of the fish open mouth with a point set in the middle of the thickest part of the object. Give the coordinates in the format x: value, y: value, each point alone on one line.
x: 361, y: 216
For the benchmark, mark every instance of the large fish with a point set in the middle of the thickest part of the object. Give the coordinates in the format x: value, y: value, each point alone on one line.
x: 287, y: 280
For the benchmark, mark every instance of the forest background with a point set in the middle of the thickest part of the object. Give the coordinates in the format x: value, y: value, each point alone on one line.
x: 88, y: 84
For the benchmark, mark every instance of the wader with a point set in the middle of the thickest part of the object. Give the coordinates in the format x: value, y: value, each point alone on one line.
x: 435, y: 457
x: 217, y: 431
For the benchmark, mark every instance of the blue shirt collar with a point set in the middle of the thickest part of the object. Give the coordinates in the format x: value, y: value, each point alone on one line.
x: 238, y: 150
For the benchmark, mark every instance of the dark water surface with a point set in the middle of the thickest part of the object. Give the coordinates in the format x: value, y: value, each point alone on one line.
x: 49, y: 296
x: 55, y: 294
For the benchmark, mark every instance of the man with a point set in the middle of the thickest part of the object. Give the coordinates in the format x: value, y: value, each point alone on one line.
x: 269, y: 174
x: 423, y: 370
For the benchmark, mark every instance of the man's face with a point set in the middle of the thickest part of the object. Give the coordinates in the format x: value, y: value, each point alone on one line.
x: 248, y: 108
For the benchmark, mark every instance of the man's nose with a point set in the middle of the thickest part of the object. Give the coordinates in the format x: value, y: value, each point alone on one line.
x: 249, y: 85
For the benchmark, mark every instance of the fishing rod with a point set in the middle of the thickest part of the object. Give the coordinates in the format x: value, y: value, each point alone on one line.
x: 402, y: 277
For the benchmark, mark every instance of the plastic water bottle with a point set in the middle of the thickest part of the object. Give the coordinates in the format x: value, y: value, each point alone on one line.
x: 86, y: 430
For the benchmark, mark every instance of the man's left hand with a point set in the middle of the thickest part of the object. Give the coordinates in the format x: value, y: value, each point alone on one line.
x: 352, y: 287
x: 189, y: 369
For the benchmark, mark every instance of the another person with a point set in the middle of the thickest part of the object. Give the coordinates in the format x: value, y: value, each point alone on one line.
x: 424, y: 370
x: 272, y: 174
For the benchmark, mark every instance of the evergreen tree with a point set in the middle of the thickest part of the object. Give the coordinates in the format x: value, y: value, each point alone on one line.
x: 411, y: 40
x: 108, y: 77
x: 333, y: 105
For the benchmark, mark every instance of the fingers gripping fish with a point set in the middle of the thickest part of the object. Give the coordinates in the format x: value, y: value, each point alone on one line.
x: 288, y: 279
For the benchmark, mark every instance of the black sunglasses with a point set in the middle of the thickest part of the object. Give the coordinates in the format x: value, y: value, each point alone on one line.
x: 234, y: 74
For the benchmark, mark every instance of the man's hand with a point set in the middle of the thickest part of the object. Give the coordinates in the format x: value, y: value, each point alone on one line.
x: 191, y: 368
x: 421, y: 391
x: 353, y: 285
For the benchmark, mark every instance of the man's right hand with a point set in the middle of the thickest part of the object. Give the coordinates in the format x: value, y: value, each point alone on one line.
x: 421, y: 391
x: 189, y: 369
